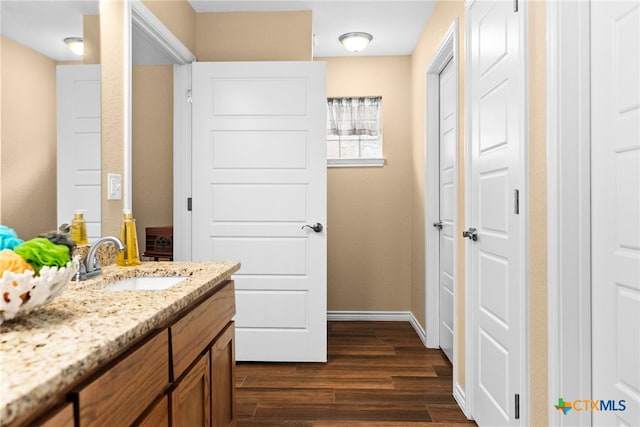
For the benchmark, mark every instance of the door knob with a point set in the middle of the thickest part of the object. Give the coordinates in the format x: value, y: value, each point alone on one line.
x: 317, y: 227
x: 438, y: 225
x: 471, y: 233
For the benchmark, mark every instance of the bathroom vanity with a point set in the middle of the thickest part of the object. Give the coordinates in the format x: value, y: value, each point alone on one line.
x: 104, y: 357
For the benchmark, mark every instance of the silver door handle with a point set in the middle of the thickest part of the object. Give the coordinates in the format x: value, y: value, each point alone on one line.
x: 438, y: 225
x: 471, y: 233
x: 317, y: 227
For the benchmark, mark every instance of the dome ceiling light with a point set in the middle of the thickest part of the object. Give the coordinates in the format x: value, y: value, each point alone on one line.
x: 355, y: 41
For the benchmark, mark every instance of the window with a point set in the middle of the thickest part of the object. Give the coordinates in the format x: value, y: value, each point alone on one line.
x: 354, y: 132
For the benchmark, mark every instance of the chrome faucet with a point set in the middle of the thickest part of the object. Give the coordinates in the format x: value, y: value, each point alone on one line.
x: 91, y: 266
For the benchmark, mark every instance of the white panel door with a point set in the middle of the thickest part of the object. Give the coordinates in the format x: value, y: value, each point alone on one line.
x: 447, y: 149
x: 259, y: 175
x: 496, y: 166
x: 79, y: 159
x: 615, y: 198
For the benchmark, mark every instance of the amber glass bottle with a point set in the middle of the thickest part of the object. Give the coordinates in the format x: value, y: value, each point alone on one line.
x: 128, y: 257
x: 79, y: 228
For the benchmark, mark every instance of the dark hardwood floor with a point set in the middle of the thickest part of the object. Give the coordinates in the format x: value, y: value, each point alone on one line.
x: 378, y: 374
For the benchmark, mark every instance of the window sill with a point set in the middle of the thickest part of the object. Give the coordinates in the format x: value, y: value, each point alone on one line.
x: 356, y: 163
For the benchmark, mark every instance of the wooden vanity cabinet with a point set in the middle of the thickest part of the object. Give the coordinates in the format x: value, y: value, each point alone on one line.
x: 205, y: 395
x: 183, y: 375
x: 204, y: 392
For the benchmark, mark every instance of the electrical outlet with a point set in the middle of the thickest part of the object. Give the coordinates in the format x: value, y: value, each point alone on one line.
x: 114, y: 183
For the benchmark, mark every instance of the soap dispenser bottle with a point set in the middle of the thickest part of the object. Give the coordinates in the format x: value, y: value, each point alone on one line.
x: 79, y: 228
x: 129, y: 257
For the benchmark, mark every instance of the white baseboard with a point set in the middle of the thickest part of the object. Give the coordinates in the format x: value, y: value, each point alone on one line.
x: 459, y: 396
x: 380, y: 316
x: 418, y: 328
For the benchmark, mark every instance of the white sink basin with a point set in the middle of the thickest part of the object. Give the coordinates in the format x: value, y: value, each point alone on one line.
x: 149, y: 283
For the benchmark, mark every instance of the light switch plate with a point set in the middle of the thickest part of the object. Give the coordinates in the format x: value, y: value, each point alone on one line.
x: 114, y: 183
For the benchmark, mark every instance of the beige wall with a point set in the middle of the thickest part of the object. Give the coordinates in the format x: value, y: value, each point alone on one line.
x: 112, y: 21
x: 28, y: 181
x: 539, y: 401
x: 254, y: 36
x: 91, y: 37
x: 369, y: 209
x: 152, y: 124
x: 442, y: 16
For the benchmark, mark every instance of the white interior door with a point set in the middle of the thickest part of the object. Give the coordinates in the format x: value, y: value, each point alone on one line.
x: 259, y: 176
x: 615, y: 204
x: 447, y: 148
x: 496, y: 168
x: 78, y: 146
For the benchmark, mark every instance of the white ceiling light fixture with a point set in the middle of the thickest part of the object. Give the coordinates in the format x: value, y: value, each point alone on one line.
x: 355, y: 41
x: 75, y: 44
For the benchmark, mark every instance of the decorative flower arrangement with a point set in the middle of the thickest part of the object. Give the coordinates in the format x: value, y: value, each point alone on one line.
x: 34, y: 272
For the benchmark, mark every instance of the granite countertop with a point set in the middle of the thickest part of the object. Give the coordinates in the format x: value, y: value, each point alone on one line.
x: 55, y: 346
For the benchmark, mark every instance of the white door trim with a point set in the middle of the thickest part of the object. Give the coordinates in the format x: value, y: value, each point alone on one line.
x: 568, y: 205
x: 524, y: 217
x: 181, y: 162
x: 166, y: 41
x: 447, y: 51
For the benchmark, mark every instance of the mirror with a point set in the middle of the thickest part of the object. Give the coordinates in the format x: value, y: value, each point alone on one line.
x: 29, y: 103
x: 155, y: 51
x: 29, y: 166
x: 151, y: 135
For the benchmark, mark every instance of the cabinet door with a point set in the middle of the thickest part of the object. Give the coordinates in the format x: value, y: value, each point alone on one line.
x: 191, y: 399
x: 223, y: 377
x: 158, y: 416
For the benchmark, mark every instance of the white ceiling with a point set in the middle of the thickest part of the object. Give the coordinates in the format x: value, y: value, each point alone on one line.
x: 42, y: 25
x: 394, y: 24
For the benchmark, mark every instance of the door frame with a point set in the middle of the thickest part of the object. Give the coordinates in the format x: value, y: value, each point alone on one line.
x: 447, y: 51
x: 470, y: 321
x: 182, y: 146
x: 569, y: 204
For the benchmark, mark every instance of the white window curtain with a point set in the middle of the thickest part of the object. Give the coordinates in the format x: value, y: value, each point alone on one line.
x: 354, y: 116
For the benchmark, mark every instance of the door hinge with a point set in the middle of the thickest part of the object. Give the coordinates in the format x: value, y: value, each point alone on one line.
x: 517, y: 401
x: 188, y: 96
x: 189, y: 207
x: 515, y: 5
x: 516, y: 202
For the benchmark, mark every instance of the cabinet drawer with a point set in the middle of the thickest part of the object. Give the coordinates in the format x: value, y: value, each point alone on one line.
x: 123, y: 392
x: 62, y: 418
x: 193, y: 333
